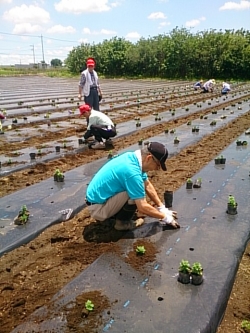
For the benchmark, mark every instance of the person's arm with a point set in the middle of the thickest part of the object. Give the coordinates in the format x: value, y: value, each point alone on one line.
x: 99, y: 88
x: 152, y: 194
x: 81, y: 85
x: 145, y: 208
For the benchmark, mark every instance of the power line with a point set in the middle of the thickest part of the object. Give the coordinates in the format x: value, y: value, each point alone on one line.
x: 60, y: 40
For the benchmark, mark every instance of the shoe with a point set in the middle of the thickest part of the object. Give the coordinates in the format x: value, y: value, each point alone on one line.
x: 109, y: 143
x: 91, y: 138
x: 98, y: 145
x: 128, y: 225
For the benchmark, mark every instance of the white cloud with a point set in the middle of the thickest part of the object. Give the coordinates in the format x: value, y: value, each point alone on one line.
x: 157, y: 16
x: 5, y: 1
x: 163, y: 24
x: 87, y: 31
x: 133, y: 35
x: 26, y: 28
x: 84, y: 6
x: 235, y: 6
x: 27, y: 14
x: 59, y: 29
x: 62, y: 51
x: 195, y: 22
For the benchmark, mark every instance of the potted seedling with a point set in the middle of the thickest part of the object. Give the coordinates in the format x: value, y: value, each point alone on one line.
x: 14, y: 121
x: 184, y: 271
x: 239, y: 142
x: 189, y: 184
x: 138, y: 124
x: 168, y: 198
x: 189, y: 123
x: 201, y: 116
x: 22, y: 216
x: 176, y: 140
x: 39, y: 152
x: 58, y: 176
x: 172, y: 131
x: 187, y: 109
x: 32, y: 156
x: 217, y: 160
x: 213, y: 123
x: 58, y: 149
x: 140, y: 250
x: 222, y: 159
x: 110, y: 155
x: 214, y: 112
x: 140, y: 142
x: 231, y: 205
x: 166, y: 130
x: 197, y: 274
x: 197, y: 183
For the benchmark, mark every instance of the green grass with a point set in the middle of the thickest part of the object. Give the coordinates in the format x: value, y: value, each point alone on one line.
x: 50, y: 72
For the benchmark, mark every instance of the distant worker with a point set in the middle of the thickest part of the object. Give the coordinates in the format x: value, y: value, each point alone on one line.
x: 99, y: 125
x: 198, y: 85
x: 89, y: 86
x: 225, y: 88
x: 208, y: 86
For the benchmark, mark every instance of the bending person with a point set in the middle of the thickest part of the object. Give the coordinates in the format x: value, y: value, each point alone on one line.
x: 120, y: 187
x: 99, y: 125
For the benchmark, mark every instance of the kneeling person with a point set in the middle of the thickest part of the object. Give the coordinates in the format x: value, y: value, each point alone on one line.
x: 119, y: 188
x: 99, y: 125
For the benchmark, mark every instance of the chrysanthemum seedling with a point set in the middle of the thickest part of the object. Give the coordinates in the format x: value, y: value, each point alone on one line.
x: 140, y: 249
x: 89, y: 305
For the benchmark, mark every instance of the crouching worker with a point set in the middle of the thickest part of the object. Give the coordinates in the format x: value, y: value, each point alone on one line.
x: 120, y: 187
x: 198, y: 85
x: 208, y: 86
x: 99, y: 125
x: 225, y: 88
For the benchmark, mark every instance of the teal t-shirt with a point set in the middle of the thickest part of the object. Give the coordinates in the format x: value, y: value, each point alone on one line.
x: 122, y: 173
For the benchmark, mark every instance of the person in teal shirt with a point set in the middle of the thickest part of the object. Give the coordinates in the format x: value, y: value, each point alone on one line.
x: 120, y: 187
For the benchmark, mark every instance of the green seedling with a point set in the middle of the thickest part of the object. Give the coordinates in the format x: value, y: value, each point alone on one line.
x: 189, y: 180
x: 140, y: 249
x: 185, y: 266
x: 89, y: 305
x: 197, y: 269
x: 245, y: 325
x: 231, y: 201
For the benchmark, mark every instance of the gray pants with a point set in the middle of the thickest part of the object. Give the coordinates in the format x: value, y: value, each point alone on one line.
x: 110, y: 208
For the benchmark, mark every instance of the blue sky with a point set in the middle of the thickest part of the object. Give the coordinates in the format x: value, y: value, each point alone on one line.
x: 64, y: 24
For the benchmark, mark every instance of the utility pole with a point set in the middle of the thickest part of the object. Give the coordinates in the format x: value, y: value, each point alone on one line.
x: 42, y: 51
x: 33, y: 49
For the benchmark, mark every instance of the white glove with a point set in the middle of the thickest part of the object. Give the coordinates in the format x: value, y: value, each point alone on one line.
x: 169, y: 219
x: 165, y: 210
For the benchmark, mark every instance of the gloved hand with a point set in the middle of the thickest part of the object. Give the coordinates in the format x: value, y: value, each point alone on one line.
x: 170, y: 220
x: 165, y: 210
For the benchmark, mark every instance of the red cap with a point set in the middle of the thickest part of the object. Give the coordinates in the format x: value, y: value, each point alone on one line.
x: 84, y: 108
x: 90, y: 62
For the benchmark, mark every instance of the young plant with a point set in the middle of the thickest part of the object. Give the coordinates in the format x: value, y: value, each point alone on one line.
x: 245, y: 325
x: 140, y: 249
x: 197, y: 269
x: 231, y: 201
x: 189, y: 180
x: 185, y: 266
x: 89, y: 305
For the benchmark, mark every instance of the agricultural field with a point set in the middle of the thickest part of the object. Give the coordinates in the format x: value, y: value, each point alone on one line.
x: 61, y: 249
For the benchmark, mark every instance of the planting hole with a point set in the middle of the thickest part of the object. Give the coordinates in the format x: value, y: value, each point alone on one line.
x: 52, y: 202
x: 191, y: 249
x: 194, y: 198
x: 160, y: 299
x: 214, y: 217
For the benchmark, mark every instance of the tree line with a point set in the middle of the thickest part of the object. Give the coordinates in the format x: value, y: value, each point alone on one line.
x: 177, y: 55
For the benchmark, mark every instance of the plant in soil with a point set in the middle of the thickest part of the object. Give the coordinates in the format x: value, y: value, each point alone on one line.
x: 140, y: 249
x: 197, y: 273
x: 231, y: 205
x: 184, y: 271
x: 23, y: 216
x: 245, y: 325
x: 231, y: 201
x: 89, y: 305
x: 58, y: 176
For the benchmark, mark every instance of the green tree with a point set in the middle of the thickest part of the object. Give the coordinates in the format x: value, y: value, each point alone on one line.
x: 56, y: 63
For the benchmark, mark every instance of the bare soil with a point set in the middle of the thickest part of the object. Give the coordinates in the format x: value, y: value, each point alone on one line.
x: 33, y: 273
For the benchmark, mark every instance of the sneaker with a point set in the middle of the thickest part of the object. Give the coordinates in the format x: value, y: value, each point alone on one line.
x: 109, y: 143
x: 98, y: 145
x: 128, y: 225
x: 91, y: 138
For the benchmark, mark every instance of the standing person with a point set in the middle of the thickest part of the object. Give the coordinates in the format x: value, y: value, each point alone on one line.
x: 225, y: 88
x: 119, y: 188
x: 99, y: 125
x: 208, y: 86
x: 198, y: 85
x: 89, y: 86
